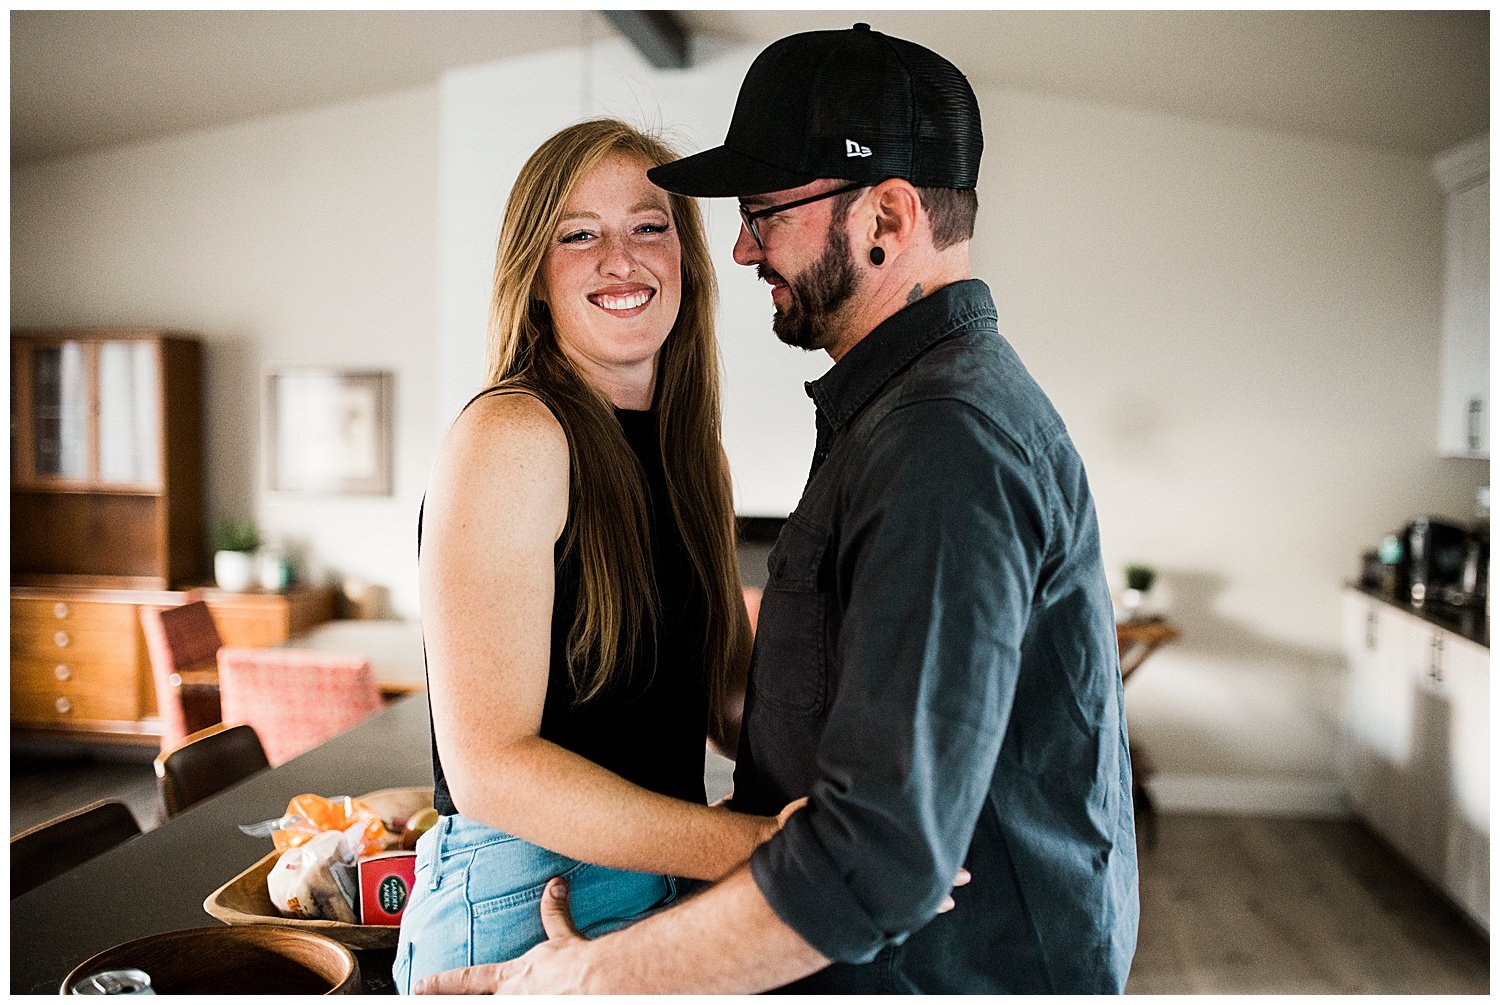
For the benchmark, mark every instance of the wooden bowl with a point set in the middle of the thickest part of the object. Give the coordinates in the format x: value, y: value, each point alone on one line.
x: 253, y: 959
x: 244, y: 900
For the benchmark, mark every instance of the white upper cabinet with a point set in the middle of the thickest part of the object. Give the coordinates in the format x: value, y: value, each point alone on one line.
x: 1464, y: 411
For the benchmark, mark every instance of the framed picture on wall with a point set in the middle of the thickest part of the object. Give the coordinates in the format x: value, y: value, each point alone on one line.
x: 329, y: 431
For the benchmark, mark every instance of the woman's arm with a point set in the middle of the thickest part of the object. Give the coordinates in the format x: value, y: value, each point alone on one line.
x: 496, y: 505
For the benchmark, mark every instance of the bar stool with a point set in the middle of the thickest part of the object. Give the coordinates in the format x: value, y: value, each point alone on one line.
x: 207, y: 762
x: 50, y: 849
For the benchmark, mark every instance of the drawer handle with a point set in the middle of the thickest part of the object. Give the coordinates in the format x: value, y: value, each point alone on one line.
x: 60, y: 609
x: 175, y: 680
x: 64, y: 706
x: 62, y: 639
x: 62, y: 672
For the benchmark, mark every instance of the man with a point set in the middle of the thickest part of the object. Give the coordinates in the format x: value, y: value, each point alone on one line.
x: 935, y: 664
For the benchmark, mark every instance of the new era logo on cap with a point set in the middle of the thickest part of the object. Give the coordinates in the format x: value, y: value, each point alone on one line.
x: 852, y: 149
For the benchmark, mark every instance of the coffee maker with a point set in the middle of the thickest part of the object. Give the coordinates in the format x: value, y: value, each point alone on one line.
x: 1474, y: 580
x: 1436, y: 558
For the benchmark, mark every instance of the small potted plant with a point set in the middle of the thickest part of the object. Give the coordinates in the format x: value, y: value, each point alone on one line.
x: 235, y: 542
x: 1138, y: 582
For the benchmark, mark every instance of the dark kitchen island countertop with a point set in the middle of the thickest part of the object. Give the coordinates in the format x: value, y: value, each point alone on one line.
x: 157, y: 882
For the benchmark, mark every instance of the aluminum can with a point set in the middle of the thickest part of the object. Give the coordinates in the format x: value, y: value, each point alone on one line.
x: 115, y: 982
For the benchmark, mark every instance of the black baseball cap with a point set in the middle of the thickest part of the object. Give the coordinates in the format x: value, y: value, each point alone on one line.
x: 853, y: 104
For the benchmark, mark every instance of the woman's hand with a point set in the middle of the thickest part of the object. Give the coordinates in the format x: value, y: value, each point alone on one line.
x: 769, y: 826
x: 961, y: 879
x: 788, y: 810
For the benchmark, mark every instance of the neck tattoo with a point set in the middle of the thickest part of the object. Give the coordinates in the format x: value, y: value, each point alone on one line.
x: 914, y: 295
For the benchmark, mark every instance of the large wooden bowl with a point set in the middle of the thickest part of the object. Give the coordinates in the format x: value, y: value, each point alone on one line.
x: 265, y: 959
x: 244, y: 900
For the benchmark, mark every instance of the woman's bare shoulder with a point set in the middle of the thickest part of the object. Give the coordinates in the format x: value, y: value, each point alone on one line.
x: 506, y: 427
x: 514, y: 414
x: 506, y: 453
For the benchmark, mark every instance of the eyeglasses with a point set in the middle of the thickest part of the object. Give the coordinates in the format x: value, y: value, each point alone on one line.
x: 750, y: 217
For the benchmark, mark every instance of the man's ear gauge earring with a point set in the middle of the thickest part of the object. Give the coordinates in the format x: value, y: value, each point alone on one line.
x: 877, y: 255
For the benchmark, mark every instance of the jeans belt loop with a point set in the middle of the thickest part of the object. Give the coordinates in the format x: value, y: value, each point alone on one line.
x: 439, y: 839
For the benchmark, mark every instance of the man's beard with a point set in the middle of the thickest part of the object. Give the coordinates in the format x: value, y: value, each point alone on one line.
x: 810, y: 321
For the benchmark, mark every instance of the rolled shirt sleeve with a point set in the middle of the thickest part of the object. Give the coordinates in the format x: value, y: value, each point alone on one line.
x: 940, y: 547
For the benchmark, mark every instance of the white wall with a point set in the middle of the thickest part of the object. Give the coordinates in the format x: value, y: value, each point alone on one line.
x: 1240, y: 327
x: 300, y: 239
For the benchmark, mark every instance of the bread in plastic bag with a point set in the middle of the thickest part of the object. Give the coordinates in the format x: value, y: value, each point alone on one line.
x: 302, y: 884
x: 320, y: 840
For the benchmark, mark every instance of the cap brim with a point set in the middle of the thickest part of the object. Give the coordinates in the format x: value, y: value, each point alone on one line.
x: 723, y: 172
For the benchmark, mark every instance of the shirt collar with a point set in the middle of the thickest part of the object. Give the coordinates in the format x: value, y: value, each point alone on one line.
x: 894, y: 343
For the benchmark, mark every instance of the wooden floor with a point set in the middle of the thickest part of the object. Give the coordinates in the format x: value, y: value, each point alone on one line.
x: 1229, y: 905
x: 1245, y: 905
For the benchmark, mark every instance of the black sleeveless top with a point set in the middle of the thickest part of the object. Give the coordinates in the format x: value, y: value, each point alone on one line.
x: 649, y: 725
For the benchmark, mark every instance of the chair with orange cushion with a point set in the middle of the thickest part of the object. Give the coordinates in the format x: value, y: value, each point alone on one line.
x: 183, y: 645
x: 295, y: 698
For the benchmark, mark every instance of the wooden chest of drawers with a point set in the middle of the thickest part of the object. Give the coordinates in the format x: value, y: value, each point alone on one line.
x: 79, y: 664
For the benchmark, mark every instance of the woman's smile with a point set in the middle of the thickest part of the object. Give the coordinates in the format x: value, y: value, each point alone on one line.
x: 623, y: 301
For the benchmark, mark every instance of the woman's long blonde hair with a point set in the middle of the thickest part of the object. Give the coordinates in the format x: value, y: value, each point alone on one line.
x: 607, y: 526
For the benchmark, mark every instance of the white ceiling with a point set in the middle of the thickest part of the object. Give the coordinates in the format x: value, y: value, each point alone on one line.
x: 1414, y: 81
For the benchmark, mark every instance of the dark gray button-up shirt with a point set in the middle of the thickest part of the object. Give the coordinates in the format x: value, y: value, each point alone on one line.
x: 936, y: 667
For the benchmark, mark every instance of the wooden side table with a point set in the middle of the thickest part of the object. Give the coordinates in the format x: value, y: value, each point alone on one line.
x: 1137, y: 641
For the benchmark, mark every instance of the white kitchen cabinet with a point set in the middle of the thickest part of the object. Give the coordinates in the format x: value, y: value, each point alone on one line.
x: 1464, y: 402
x: 1466, y: 860
x: 1377, y: 719
x: 1414, y: 746
x: 1429, y: 776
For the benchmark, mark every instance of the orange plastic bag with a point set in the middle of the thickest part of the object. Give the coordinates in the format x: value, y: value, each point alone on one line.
x: 309, y: 815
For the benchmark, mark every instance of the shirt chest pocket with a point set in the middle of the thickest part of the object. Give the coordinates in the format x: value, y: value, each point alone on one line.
x: 791, y: 642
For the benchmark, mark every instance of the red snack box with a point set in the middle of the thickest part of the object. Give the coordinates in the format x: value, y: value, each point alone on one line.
x: 385, y: 886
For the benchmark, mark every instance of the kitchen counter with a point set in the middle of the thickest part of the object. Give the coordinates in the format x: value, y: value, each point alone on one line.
x: 157, y: 882
x: 1465, y: 622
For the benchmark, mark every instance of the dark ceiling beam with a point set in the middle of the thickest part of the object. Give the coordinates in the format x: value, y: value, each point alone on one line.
x: 658, y: 35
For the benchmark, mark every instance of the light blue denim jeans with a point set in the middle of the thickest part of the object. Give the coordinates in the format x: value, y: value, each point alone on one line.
x: 477, y: 893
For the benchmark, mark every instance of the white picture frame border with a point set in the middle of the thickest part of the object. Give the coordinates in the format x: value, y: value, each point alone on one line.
x: 328, y: 431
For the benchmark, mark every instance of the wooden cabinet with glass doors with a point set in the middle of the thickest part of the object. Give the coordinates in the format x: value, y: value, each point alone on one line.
x: 107, y: 459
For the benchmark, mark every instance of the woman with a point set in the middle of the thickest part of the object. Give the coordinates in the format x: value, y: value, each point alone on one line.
x: 582, y: 611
